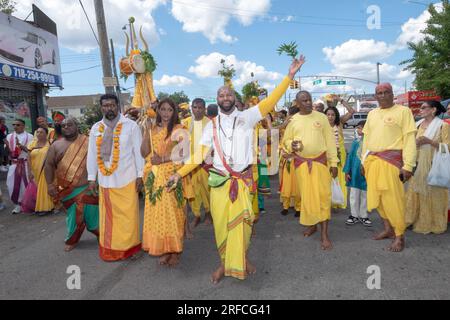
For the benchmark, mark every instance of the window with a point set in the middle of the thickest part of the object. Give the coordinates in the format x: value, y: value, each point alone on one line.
x: 357, y: 116
x: 66, y: 111
x: 364, y: 116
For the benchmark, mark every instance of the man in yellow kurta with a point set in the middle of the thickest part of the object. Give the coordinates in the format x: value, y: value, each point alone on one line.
x: 310, y: 140
x: 195, y: 125
x: 389, y: 156
x: 230, y: 135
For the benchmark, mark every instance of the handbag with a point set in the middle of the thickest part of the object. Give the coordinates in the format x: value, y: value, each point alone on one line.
x: 337, y: 196
x: 28, y: 204
x: 439, y: 175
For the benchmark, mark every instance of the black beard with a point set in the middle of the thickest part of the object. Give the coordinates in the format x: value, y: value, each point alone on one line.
x: 226, y: 109
x: 110, y: 115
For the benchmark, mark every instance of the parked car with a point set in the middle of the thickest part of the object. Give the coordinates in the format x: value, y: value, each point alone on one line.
x: 356, y: 118
x: 29, y: 50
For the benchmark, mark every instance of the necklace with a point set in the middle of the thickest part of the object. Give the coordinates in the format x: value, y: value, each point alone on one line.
x: 230, y: 138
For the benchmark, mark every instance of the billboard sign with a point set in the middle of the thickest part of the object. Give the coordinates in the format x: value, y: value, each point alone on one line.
x: 28, y: 53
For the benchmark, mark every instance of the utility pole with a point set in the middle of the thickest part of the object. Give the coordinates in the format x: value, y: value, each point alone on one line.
x: 378, y: 72
x: 104, y: 47
x: 115, y: 75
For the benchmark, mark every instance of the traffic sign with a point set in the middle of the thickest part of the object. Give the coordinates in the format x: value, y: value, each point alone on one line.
x: 336, y: 83
x: 316, y: 82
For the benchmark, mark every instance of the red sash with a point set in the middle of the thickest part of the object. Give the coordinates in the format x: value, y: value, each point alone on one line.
x: 245, y: 176
x: 394, y: 157
x: 298, y: 161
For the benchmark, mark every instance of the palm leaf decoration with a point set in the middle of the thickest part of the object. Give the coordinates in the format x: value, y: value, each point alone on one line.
x: 290, y: 49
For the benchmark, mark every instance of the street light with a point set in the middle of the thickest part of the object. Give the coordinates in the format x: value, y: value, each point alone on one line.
x: 378, y: 72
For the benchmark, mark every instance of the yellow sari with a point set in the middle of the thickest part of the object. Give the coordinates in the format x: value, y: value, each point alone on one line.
x: 44, y: 202
x: 164, y: 219
x: 342, y: 155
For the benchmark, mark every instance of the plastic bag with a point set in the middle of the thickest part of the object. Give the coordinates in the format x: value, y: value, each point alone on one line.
x: 439, y: 175
x: 337, y: 196
x: 29, y: 198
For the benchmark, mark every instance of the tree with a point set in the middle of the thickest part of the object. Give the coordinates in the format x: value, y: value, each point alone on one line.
x: 92, y: 115
x: 7, y: 6
x: 431, y: 57
x: 178, y: 97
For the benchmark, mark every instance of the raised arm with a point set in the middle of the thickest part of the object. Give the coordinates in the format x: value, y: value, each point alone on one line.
x: 267, y: 105
x: 349, y: 114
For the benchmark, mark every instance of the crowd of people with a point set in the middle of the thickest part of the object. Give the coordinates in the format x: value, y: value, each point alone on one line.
x: 217, y: 162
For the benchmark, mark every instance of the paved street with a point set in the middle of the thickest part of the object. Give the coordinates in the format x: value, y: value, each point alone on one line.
x: 33, y: 264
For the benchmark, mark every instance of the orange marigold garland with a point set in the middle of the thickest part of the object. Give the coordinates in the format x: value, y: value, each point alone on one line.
x: 116, y: 150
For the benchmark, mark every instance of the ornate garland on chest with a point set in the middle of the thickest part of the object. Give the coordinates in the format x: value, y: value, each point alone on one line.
x: 115, y: 153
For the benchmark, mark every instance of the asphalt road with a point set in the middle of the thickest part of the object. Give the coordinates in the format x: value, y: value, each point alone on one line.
x: 33, y: 264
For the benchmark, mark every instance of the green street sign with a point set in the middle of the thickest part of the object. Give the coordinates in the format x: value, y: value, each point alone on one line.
x: 316, y: 82
x: 336, y: 83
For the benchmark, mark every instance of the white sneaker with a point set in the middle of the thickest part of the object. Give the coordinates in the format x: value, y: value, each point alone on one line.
x: 4, y: 169
x: 17, y: 210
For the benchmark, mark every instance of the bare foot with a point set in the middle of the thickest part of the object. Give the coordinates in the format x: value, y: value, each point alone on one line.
x: 397, y: 245
x: 253, y: 231
x: 326, y: 244
x: 196, y: 222
x: 164, y: 259
x: 310, y: 231
x: 69, y: 248
x: 218, y: 275
x: 250, y: 268
x: 174, y: 259
x: 208, y: 219
x: 384, y: 235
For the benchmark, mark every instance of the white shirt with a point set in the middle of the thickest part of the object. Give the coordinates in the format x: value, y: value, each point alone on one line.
x: 131, y: 163
x: 241, y: 147
x: 24, y: 139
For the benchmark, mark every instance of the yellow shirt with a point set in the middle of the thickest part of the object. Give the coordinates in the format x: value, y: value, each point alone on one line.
x: 316, y: 135
x: 392, y: 129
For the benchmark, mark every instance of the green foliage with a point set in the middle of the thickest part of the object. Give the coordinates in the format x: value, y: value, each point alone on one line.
x: 431, y: 57
x: 290, y: 49
x: 227, y: 72
x: 251, y: 89
x: 150, y: 64
x: 178, y: 97
x: 153, y: 195
x: 92, y: 115
x: 8, y: 6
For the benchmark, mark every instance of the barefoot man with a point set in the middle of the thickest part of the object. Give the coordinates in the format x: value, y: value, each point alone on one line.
x: 195, y: 125
x: 389, y: 151
x: 310, y: 141
x: 66, y: 175
x: 230, y: 135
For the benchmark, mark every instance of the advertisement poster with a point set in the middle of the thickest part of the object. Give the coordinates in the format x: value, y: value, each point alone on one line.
x: 28, y: 53
x: 12, y: 111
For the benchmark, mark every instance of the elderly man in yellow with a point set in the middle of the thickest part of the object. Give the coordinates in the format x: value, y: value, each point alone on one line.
x: 199, y: 177
x: 389, y: 156
x: 230, y: 135
x: 310, y: 141
x: 114, y: 156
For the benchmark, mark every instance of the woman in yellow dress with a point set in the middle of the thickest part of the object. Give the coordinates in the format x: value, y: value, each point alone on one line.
x: 337, y: 122
x: 164, y: 216
x: 38, y: 149
x: 426, y: 206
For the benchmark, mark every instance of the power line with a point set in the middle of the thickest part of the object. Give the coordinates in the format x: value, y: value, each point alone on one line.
x: 78, y: 70
x: 89, y: 21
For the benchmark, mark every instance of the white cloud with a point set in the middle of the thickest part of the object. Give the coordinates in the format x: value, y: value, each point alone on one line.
x: 208, y: 66
x: 212, y: 17
x: 174, y: 81
x: 355, y: 51
x: 74, y: 31
x: 413, y: 28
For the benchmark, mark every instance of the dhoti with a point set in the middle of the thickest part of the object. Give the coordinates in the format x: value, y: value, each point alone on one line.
x: 17, y: 180
x: 201, y: 189
x: 385, y: 192
x: 314, y: 183
x: 233, y: 223
x: 82, y: 212
x: 119, y: 222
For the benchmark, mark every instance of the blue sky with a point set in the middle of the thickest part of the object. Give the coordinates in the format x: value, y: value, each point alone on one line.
x: 246, y: 33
